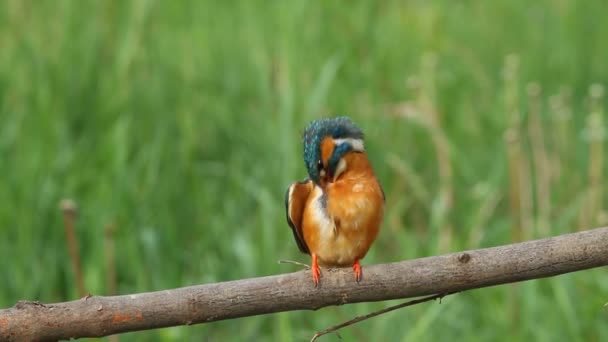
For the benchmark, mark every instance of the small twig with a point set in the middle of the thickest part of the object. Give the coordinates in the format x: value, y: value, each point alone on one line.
x: 109, y: 254
x: 294, y: 263
x: 69, y: 209
x: 110, y: 259
x: 379, y: 312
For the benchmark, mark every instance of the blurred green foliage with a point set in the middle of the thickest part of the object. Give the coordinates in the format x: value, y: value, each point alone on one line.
x: 178, y: 123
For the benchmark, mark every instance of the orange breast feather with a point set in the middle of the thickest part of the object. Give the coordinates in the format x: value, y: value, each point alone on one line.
x: 344, y: 230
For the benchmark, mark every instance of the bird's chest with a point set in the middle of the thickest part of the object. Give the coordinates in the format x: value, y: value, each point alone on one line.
x: 342, y: 226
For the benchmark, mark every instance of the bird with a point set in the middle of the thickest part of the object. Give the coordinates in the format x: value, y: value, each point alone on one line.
x: 336, y: 212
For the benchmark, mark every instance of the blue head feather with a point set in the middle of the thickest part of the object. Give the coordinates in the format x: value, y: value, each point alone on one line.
x: 337, y: 128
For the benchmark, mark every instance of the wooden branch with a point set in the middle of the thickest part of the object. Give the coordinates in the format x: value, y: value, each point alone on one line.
x: 101, y: 316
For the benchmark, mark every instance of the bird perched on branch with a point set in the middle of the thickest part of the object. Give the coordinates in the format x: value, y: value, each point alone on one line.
x: 335, y: 214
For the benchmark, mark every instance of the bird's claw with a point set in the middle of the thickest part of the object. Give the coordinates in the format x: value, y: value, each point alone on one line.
x: 316, y: 271
x: 357, y: 270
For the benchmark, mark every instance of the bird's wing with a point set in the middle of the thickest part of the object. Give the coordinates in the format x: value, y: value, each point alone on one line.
x: 295, y: 201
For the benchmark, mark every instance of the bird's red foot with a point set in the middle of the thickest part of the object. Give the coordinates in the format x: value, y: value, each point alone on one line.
x: 357, y: 270
x: 316, y: 271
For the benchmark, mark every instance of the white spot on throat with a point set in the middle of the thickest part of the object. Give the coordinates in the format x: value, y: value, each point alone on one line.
x: 340, y: 168
x: 356, y: 144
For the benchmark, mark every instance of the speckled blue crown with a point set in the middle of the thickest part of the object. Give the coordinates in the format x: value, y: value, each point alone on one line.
x: 337, y: 128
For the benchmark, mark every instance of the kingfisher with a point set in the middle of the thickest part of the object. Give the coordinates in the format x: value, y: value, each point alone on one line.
x: 335, y: 214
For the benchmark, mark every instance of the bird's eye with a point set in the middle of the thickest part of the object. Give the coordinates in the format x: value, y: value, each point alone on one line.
x: 321, y: 168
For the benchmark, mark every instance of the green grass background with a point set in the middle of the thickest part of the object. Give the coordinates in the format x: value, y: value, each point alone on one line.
x: 180, y: 122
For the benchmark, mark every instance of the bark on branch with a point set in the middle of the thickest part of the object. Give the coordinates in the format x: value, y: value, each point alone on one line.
x: 101, y: 316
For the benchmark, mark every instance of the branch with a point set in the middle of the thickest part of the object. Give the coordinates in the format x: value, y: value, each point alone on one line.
x: 102, y: 316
